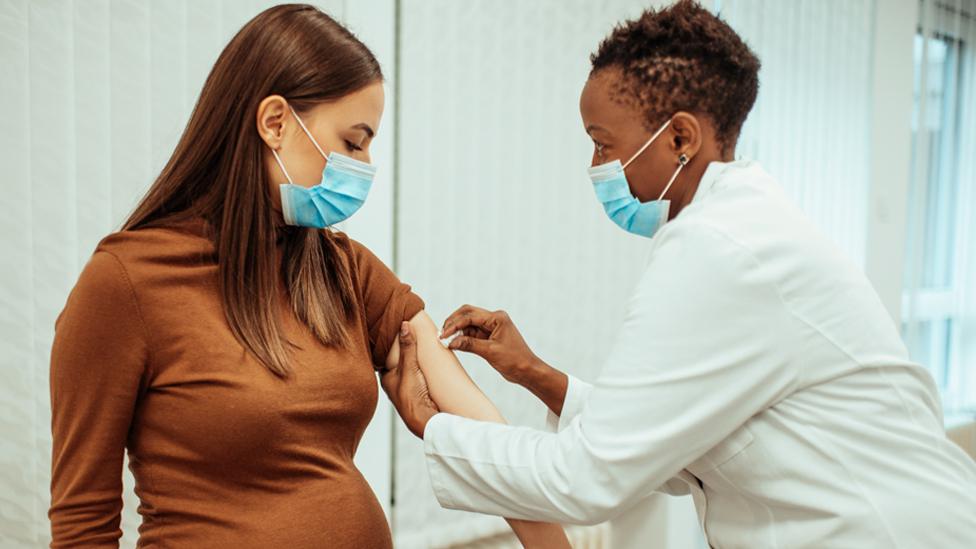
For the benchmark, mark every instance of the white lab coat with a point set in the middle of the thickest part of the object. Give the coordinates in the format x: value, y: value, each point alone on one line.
x: 757, y: 370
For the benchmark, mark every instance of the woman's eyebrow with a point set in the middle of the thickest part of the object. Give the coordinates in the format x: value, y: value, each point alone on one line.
x: 365, y: 127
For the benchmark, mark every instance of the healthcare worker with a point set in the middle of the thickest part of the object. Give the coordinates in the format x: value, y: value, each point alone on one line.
x: 756, y: 369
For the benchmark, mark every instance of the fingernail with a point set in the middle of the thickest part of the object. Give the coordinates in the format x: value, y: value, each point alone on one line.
x: 404, y: 328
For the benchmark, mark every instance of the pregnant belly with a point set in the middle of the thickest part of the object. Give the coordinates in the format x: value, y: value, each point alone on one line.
x: 337, y: 512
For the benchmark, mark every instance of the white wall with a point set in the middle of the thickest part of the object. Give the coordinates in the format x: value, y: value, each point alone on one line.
x: 890, y: 157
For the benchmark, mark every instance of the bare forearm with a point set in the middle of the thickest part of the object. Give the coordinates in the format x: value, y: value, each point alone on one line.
x: 450, y: 386
x: 456, y: 393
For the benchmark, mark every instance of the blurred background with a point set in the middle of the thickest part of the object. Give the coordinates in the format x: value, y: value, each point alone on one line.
x: 866, y: 114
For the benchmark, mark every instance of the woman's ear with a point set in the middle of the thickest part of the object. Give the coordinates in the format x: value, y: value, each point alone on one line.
x: 272, y: 113
x: 687, y: 134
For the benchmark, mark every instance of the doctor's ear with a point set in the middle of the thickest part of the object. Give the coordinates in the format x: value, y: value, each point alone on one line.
x: 687, y: 134
x: 272, y: 114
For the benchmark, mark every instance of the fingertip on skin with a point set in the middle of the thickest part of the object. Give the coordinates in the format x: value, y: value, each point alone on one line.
x: 405, y: 332
x: 446, y: 340
x: 455, y: 343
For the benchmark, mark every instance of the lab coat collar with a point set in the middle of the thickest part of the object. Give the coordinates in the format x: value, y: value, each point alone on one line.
x: 715, y: 171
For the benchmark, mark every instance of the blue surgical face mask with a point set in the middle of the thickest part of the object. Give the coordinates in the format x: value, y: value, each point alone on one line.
x: 613, y: 191
x: 341, y: 192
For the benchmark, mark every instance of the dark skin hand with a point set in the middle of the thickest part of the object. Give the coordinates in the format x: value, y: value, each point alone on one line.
x: 406, y: 385
x: 494, y: 337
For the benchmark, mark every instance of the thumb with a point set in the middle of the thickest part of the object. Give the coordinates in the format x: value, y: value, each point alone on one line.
x: 468, y: 344
x: 408, y: 347
x: 390, y: 380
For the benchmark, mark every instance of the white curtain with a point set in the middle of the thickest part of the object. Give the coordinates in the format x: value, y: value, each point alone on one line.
x: 940, y: 271
x: 810, y: 127
x: 96, y: 93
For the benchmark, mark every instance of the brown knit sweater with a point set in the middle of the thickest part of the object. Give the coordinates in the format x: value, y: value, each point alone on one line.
x: 224, y: 453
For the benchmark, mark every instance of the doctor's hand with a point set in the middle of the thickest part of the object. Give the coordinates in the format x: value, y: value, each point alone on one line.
x: 494, y: 337
x: 406, y: 385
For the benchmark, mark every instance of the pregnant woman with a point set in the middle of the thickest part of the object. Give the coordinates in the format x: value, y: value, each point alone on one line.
x: 227, y: 338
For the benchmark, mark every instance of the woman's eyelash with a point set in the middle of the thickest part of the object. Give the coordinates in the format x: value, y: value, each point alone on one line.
x: 353, y: 147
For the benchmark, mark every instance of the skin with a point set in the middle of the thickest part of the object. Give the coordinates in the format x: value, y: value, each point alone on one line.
x: 618, y: 131
x: 426, y: 378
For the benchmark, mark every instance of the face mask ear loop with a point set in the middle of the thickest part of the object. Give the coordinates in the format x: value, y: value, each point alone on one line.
x: 682, y: 160
x: 308, y: 133
x: 282, y: 166
x: 648, y: 144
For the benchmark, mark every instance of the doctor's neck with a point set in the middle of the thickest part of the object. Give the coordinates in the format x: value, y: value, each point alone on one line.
x: 683, y: 190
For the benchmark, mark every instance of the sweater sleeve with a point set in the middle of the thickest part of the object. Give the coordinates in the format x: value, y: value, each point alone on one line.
x: 386, y: 300
x: 98, y: 364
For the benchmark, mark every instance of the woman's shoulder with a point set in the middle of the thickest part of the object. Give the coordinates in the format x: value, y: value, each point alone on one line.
x: 159, y: 245
x: 358, y: 254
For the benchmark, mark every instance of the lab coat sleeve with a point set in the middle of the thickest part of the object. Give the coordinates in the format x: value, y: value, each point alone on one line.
x: 576, y: 394
x: 703, y: 348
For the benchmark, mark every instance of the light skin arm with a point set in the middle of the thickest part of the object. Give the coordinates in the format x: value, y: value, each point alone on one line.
x: 450, y: 386
x: 493, y: 336
x: 453, y: 391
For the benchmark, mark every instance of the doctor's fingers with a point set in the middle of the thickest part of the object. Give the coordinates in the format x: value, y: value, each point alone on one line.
x: 481, y: 347
x: 472, y: 331
x: 469, y: 317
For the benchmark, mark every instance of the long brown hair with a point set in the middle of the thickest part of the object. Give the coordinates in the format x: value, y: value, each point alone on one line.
x: 217, y: 173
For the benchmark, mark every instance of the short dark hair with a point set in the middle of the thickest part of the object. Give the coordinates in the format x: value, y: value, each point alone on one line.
x: 683, y: 58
